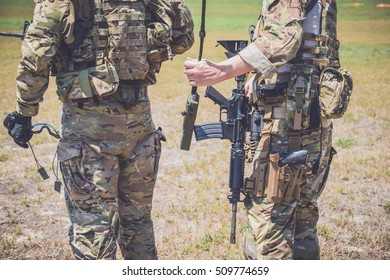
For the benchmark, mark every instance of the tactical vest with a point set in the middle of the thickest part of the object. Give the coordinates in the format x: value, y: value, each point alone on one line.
x: 118, y: 32
x: 320, y: 47
x: 120, y: 27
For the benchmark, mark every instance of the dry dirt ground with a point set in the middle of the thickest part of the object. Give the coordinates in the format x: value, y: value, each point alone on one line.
x: 191, y: 213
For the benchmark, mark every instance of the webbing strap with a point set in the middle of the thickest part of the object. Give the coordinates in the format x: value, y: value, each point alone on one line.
x: 84, y: 83
x: 310, y: 5
x: 294, y: 141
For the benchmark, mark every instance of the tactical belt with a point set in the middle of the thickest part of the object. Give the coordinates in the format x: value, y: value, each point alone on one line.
x: 128, y: 95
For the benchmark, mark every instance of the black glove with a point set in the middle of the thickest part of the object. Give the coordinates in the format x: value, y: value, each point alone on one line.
x: 19, y: 128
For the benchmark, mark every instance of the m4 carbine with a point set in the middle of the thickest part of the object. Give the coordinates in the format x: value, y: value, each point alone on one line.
x: 239, y: 121
x: 18, y: 35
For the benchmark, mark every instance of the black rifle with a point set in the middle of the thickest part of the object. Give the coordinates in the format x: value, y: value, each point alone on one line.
x: 239, y: 121
x: 18, y: 35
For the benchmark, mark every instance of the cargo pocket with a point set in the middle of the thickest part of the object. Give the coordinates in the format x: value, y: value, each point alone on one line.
x: 76, y: 183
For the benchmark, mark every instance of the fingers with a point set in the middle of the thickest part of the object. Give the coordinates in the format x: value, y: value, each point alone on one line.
x: 190, y: 71
x: 190, y: 63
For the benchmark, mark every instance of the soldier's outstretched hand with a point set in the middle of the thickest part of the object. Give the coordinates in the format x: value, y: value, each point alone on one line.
x: 206, y: 72
x: 202, y: 73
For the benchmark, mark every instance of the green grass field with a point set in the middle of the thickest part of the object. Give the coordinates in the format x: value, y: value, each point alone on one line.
x: 191, y: 212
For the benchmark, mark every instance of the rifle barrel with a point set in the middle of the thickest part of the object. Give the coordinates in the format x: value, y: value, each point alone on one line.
x: 12, y: 34
x: 233, y: 223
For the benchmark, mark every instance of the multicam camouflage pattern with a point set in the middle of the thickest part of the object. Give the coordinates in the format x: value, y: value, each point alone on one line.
x: 110, y: 149
x: 48, y: 28
x: 277, y: 36
x: 300, y: 96
x: 182, y: 27
x: 286, y: 228
x: 126, y: 22
x: 109, y: 160
x: 336, y: 87
x: 48, y: 47
x: 101, y: 81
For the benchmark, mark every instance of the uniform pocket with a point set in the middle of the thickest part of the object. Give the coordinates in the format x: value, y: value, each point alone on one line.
x: 69, y: 155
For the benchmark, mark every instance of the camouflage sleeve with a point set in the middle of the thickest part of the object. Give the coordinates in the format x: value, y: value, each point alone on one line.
x: 52, y: 23
x: 162, y: 10
x: 278, y: 38
x: 183, y: 28
x: 177, y: 16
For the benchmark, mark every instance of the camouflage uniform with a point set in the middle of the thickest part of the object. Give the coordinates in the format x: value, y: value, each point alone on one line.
x: 110, y: 149
x: 284, y: 226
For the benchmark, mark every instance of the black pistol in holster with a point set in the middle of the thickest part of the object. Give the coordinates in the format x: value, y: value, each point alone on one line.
x: 296, y: 158
x: 236, y: 120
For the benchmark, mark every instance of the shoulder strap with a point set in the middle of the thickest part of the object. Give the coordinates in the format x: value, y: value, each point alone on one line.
x: 310, y: 5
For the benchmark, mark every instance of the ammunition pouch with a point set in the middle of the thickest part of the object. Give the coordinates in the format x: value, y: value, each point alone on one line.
x: 274, y: 183
x: 94, y: 82
x: 335, y: 91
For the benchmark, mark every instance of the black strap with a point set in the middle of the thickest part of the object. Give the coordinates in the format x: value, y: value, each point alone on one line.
x: 202, y: 35
x: 310, y: 6
x: 81, y: 28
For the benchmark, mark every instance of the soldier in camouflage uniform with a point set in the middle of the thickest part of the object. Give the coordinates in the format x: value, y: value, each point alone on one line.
x: 104, y: 54
x: 293, y: 42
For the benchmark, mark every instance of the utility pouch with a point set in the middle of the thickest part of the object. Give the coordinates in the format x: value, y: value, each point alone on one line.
x: 100, y: 81
x: 300, y: 94
x: 158, y: 37
x: 270, y: 93
x: 335, y: 91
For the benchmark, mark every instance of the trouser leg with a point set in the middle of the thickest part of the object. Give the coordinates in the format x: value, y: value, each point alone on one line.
x: 286, y: 230
x: 136, y: 183
x: 306, y: 244
x: 270, y: 231
x: 90, y: 193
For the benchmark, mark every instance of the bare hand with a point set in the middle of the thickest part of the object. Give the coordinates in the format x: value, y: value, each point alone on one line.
x: 202, y: 73
x: 249, y: 86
